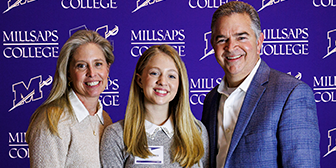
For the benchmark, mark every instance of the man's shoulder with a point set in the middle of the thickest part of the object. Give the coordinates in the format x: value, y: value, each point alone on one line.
x: 282, y: 83
x: 214, y: 90
x: 212, y: 93
x: 277, y: 77
x: 211, y: 97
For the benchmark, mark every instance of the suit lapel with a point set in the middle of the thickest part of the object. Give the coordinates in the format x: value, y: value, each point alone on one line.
x: 252, y: 97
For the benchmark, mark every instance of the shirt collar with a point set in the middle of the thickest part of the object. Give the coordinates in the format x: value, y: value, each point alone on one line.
x: 223, y: 89
x: 152, y: 129
x: 80, y: 111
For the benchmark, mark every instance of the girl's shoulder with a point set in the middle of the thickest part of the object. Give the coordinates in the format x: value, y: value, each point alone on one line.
x: 116, y: 128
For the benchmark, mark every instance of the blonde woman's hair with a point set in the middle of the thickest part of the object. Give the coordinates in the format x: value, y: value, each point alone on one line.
x: 58, y: 101
x: 187, y: 147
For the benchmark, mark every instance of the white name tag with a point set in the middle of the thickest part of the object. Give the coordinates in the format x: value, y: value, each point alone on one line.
x: 156, y: 159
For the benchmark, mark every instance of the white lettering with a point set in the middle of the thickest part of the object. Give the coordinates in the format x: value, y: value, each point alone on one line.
x: 136, y: 51
x: 110, y: 100
x: 206, y: 3
x: 284, y: 49
x: 324, y: 3
x: 31, y: 52
x: 286, y: 33
x: 30, y: 36
x: 158, y: 35
x: 89, y: 4
x: 325, y: 81
x: 20, y: 137
x: 197, y: 99
x: 18, y: 153
x: 324, y: 97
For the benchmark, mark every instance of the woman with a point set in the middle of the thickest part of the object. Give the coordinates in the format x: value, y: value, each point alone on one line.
x: 65, y: 130
x: 159, y: 128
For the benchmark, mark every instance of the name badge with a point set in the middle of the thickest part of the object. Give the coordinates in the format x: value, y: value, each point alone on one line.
x: 157, y: 151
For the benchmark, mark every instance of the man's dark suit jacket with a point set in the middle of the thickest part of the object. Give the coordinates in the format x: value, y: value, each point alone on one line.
x: 277, y: 125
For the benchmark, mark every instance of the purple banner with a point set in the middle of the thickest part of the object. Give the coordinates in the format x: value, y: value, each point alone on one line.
x: 300, y: 39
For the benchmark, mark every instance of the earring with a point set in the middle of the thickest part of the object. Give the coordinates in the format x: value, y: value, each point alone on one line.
x: 69, y: 84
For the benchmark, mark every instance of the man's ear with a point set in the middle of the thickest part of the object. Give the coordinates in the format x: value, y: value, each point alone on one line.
x: 138, y: 80
x: 260, y: 42
x: 211, y: 42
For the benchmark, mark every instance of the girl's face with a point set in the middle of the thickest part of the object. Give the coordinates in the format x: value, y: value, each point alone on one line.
x: 159, y: 80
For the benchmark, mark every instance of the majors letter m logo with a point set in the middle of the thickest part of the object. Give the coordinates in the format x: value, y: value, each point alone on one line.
x: 26, y: 93
x: 332, y: 141
x: 331, y: 35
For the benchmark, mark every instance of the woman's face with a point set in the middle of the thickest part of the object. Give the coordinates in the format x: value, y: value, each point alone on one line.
x: 88, y: 71
x: 159, y: 80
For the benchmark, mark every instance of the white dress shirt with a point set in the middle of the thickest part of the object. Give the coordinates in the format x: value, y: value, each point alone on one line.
x: 229, y: 107
x: 152, y: 129
x: 80, y: 111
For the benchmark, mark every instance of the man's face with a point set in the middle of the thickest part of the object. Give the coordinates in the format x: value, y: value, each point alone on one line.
x: 236, y: 47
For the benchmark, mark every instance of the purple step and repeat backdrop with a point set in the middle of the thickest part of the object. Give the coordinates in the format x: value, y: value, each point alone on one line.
x: 300, y: 39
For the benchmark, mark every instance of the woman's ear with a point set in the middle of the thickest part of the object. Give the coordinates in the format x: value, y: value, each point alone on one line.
x: 138, y: 80
x: 108, y: 68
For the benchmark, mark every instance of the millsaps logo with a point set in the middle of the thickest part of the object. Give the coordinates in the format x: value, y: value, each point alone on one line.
x: 324, y: 3
x: 89, y: 4
x: 30, y: 44
x: 27, y: 92
x: 324, y: 87
x: 105, y: 31
x: 110, y: 96
x: 15, y: 3
x: 141, y: 40
x: 199, y: 87
x: 18, y: 147
x: 201, y: 4
x: 331, y: 35
x: 332, y: 142
x: 144, y: 3
x: 285, y: 42
x: 208, y: 50
x: 267, y: 3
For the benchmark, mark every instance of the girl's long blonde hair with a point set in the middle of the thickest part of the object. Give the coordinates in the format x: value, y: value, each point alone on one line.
x: 58, y: 101
x: 187, y: 147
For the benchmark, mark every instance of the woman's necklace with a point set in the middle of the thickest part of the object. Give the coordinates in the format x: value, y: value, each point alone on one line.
x: 94, y: 124
x: 94, y: 127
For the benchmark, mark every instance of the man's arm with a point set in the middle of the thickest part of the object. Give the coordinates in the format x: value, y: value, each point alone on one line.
x: 298, y: 133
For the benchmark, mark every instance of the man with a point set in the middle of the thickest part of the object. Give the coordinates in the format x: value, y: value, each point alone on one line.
x: 257, y: 116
